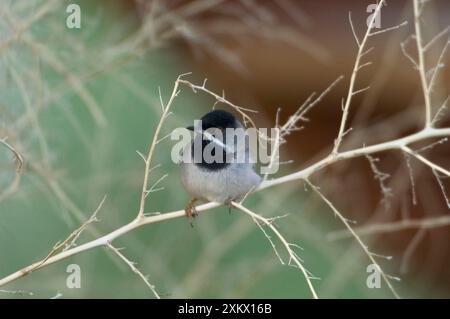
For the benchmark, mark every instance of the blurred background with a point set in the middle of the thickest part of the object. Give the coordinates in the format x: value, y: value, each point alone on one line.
x: 78, y: 103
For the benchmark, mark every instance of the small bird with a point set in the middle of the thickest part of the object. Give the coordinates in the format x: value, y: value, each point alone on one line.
x: 223, y: 179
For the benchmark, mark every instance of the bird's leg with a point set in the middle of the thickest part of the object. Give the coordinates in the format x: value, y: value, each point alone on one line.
x: 190, y: 210
x: 229, y: 204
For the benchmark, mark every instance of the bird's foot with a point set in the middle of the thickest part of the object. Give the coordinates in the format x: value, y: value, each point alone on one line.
x: 229, y: 203
x: 190, y: 211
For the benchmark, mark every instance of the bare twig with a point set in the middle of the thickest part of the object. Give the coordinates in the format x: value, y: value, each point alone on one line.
x: 441, y: 186
x: 439, y: 65
x: 411, y: 248
x: 19, y: 168
x: 404, y: 23
x: 426, y: 161
x: 405, y: 224
x: 69, y: 242
x: 293, y: 258
x: 148, y: 159
x: 386, y: 278
x: 134, y: 269
x: 406, y: 53
x: 17, y: 292
x: 421, y: 64
x: 221, y: 99
x: 440, y: 112
x: 357, y: 66
x: 436, y: 38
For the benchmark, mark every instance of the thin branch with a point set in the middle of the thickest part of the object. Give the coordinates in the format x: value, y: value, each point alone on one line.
x: 18, y: 167
x: 411, y: 248
x: 293, y: 257
x: 432, y: 145
x: 17, y: 292
x: 439, y: 65
x: 426, y: 161
x: 151, y: 151
x: 275, y: 151
x: 441, y: 186
x: 134, y: 269
x: 436, y: 38
x: 386, y: 277
x: 441, y: 110
x: 353, y: 29
x: 392, y: 227
x: 222, y: 99
x: 348, y: 100
x: 69, y: 242
x: 406, y: 54
x: 310, y: 105
x: 404, y: 23
x: 422, y: 66
x: 76, y: 234
x: 361, y: 90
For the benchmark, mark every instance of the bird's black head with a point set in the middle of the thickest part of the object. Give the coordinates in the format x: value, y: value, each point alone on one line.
x: 220, y: 119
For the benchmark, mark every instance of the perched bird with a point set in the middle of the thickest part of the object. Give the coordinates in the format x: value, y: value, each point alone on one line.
x: 215, y: 168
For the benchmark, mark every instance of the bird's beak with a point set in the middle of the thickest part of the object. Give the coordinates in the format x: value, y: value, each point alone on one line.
x: 190, y: 128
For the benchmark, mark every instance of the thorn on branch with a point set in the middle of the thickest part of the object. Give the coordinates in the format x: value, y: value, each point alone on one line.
x: 19, y: 164
x: 406, y: 54
x: 133, y: 267
x: 442, y: 187
x: 432, y: 145
x: 353, y: 29
x: 389, y: 29
x: 141, y: 156
x: 361, y: 90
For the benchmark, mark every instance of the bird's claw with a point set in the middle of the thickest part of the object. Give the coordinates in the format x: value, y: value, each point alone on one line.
x: 229, y: 204
x: 191, y: 212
